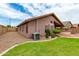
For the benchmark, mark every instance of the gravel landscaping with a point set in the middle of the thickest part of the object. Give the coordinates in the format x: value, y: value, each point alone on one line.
x: 9, y: 39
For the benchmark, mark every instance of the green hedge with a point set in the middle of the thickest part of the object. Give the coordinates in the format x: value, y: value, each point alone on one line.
x: 56, y: 30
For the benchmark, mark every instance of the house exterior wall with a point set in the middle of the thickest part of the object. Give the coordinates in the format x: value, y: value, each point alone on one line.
x: 41, y: 23
x: 37, y: 25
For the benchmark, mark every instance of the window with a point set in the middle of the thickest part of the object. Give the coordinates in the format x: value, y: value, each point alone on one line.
x: 52, y: 26
x: 26, y: 28
x: 51, y: 22
x: 22, y: 28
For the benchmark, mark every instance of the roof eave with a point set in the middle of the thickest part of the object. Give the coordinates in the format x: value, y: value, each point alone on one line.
x: 41, y: 17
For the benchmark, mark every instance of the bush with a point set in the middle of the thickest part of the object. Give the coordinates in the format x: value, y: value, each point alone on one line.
x: 52, y: 32
x: 53, y: 35
x: 56, y: 30
x: 47, y: 31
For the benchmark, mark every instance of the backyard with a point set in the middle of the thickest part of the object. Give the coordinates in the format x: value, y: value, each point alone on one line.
x: 61, y: 46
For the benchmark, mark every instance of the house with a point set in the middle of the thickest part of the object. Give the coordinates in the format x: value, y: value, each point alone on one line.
x: 39, y: 24
x: 3, y: 29
x: 67, y: 25
x: 76, y: 25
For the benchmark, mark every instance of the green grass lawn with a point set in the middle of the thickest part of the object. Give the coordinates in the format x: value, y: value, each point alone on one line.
x: 59, y: 47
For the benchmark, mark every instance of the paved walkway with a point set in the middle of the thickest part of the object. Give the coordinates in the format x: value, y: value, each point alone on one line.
x: 69, y: 35
x: 9, y: 39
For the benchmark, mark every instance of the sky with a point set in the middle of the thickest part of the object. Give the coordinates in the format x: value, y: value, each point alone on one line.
x: 15, y: 13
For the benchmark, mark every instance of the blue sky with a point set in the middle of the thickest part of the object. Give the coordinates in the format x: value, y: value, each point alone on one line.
x: 18, y: 12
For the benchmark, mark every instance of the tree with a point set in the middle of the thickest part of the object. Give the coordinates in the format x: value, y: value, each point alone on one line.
x: 8, y: 25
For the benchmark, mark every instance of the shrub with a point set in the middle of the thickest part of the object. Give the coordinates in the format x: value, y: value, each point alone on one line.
x: 56, y: 30
x: 52, y: 32
x: 53, y: 35
x: 47, y: 33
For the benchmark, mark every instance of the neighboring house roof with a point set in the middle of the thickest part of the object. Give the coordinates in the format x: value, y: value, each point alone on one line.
x: 75, y: 25
x: 42, y: 16
x: 67, y: 23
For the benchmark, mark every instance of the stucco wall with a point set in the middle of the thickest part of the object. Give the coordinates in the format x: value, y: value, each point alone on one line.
x: 41, y: 23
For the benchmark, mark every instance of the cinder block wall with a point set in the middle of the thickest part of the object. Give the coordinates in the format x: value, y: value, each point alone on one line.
x: 74, y: 30
x: 12, y: 29
x: 3, y: 29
